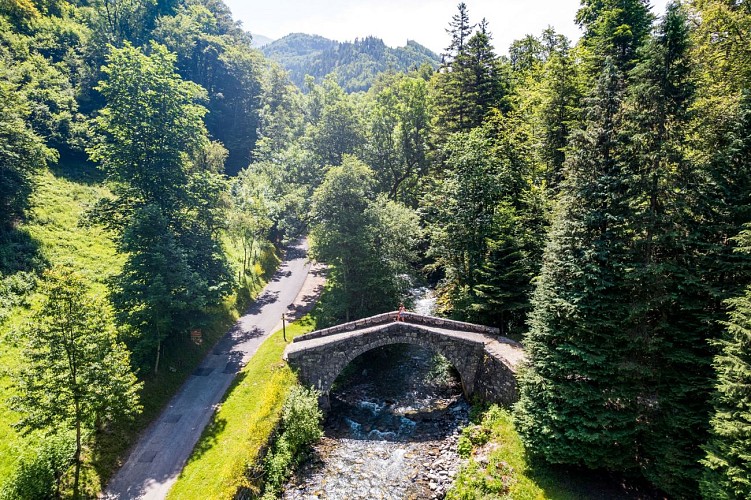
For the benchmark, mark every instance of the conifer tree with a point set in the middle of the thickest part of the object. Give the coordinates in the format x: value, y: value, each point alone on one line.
x: 471, y: 81
x: 577, y: 402
x: 560, y: 110
x: 668, y: 297
x: 727, y: 473
x: 728, y: 470
x: 614, y: 29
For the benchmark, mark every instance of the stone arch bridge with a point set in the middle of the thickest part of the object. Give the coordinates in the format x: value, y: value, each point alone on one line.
x: 486, y: 362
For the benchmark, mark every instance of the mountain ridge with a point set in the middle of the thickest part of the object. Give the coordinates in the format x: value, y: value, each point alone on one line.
x: 356, y: 64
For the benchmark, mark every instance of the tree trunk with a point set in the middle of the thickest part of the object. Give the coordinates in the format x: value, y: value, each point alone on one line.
x: 78, y: 453
x: 158, y: 352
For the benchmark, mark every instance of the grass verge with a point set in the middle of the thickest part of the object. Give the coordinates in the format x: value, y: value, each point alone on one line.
x: 499, y: 468
x: 243, y: 425
x: 52, y: 235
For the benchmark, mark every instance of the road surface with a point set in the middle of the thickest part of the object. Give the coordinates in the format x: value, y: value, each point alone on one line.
x: 163, y: 449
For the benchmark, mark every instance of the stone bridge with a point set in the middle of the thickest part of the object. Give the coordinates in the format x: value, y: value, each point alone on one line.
x: 486, y: 362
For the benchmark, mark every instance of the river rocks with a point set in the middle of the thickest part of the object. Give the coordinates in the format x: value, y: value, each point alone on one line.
x: 387, y: 443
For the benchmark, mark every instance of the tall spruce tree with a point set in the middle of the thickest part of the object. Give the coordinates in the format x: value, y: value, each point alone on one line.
x: 723, y: 152
x: 727, y: 473
x: 577, y: 401
x: 614, y: 29
x: 472, y: 80
x: 649, y: 413
x: 560, y: 110
x: 668, y: 321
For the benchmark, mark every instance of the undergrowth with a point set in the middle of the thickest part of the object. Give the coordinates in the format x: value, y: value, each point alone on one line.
x: 225, y: 459
x: 52, y: 234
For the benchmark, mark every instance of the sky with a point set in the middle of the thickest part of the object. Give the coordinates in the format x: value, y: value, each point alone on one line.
x: 396, y: 21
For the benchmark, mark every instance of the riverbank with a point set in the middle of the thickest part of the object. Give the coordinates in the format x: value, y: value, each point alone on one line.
x: 497, y: 466
x: 392, y: 430
x: 242, y: 426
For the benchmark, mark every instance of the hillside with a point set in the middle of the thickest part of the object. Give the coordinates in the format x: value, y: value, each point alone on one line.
x: 260, y: 40
x: 356, y: 64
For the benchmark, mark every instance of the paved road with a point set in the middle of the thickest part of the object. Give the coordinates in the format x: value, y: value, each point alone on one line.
x: 160, y: 454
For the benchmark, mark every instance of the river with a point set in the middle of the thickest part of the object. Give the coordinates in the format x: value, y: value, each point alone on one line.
x: 396, y: 413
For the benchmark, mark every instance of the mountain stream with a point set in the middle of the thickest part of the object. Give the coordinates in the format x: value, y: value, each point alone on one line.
x: 396, y: 414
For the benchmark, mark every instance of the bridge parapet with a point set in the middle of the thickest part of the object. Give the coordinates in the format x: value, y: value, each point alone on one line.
x: 390, y: 317
x: 486, y: 364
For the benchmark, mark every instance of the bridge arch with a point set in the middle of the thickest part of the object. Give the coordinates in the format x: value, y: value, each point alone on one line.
x: 485, y: 362
x: 465, y: 359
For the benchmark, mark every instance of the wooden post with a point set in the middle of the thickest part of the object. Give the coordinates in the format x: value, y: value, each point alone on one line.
x: 284, y: 329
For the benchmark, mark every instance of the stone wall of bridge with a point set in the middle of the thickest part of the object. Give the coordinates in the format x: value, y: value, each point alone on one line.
x: 486, y: 363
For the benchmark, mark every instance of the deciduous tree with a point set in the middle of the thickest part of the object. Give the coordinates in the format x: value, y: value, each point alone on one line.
x: 74, y: 373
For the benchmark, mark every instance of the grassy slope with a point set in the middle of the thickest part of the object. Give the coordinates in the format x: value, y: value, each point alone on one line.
x: 53, y: 228
x: 53, y: 232
x: 243, y: 424
x: 499, y: 467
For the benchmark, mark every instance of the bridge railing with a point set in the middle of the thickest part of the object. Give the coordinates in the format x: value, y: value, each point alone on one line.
x: 407, y: 317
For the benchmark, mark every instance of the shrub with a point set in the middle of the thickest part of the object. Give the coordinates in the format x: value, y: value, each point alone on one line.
x: 39, y: 473
x: 300, y: 427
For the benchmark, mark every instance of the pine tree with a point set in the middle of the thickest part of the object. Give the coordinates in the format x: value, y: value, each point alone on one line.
x: 728, y: 469
x: 614, y: 29
x: 727, y: 473
x: 471, y: 81
x: 460, y: 31
x: 577, y: 404
x: 487, y: 86
x: 560, y: 110
x: 668, y: 321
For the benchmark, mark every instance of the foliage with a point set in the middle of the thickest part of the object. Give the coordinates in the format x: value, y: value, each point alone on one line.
x: 300, y: 424
x: 614, y: 30
x: 727, y: 473
x: 143, y: 92
x: 75, y: 374
x: 367, y: 240
x: 397, y: 142
x: 227, y: 456
x: 22, y: 151
x: 483, y: 227
x: 167, y: 208
x: 41, y: 470
x: 471, y: 82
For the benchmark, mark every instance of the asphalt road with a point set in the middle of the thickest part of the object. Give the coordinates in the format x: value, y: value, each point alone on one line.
x: 163, y: 449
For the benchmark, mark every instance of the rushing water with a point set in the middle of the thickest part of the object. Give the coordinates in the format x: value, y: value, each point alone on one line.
x: 396, y: 413
x: 424, y: 300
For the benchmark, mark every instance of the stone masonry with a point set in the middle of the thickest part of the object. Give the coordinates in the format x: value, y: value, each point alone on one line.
x: 485, y: 361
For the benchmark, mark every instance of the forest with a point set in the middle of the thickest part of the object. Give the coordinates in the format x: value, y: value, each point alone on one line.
x: 591, y: 200
x: 355, y: 65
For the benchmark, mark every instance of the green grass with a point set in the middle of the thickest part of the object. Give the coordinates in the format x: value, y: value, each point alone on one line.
x: 51, y: 235
x: 500, y: 468
x: 243, y: 425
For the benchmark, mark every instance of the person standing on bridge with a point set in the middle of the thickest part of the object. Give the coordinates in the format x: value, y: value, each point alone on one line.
x: 400, y: 314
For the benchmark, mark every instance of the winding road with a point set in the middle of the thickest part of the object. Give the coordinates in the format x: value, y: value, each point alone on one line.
x: 163, y: 449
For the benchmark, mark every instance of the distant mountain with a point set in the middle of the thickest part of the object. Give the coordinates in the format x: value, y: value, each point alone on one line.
x: 356, y: 64
x: 260, y: 40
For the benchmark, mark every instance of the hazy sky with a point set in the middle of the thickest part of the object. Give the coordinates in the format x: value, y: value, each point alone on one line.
x: 396, y: 21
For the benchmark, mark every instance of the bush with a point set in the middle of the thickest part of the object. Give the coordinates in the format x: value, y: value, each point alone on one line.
x: 39, y: 474
x: 300, y: 428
